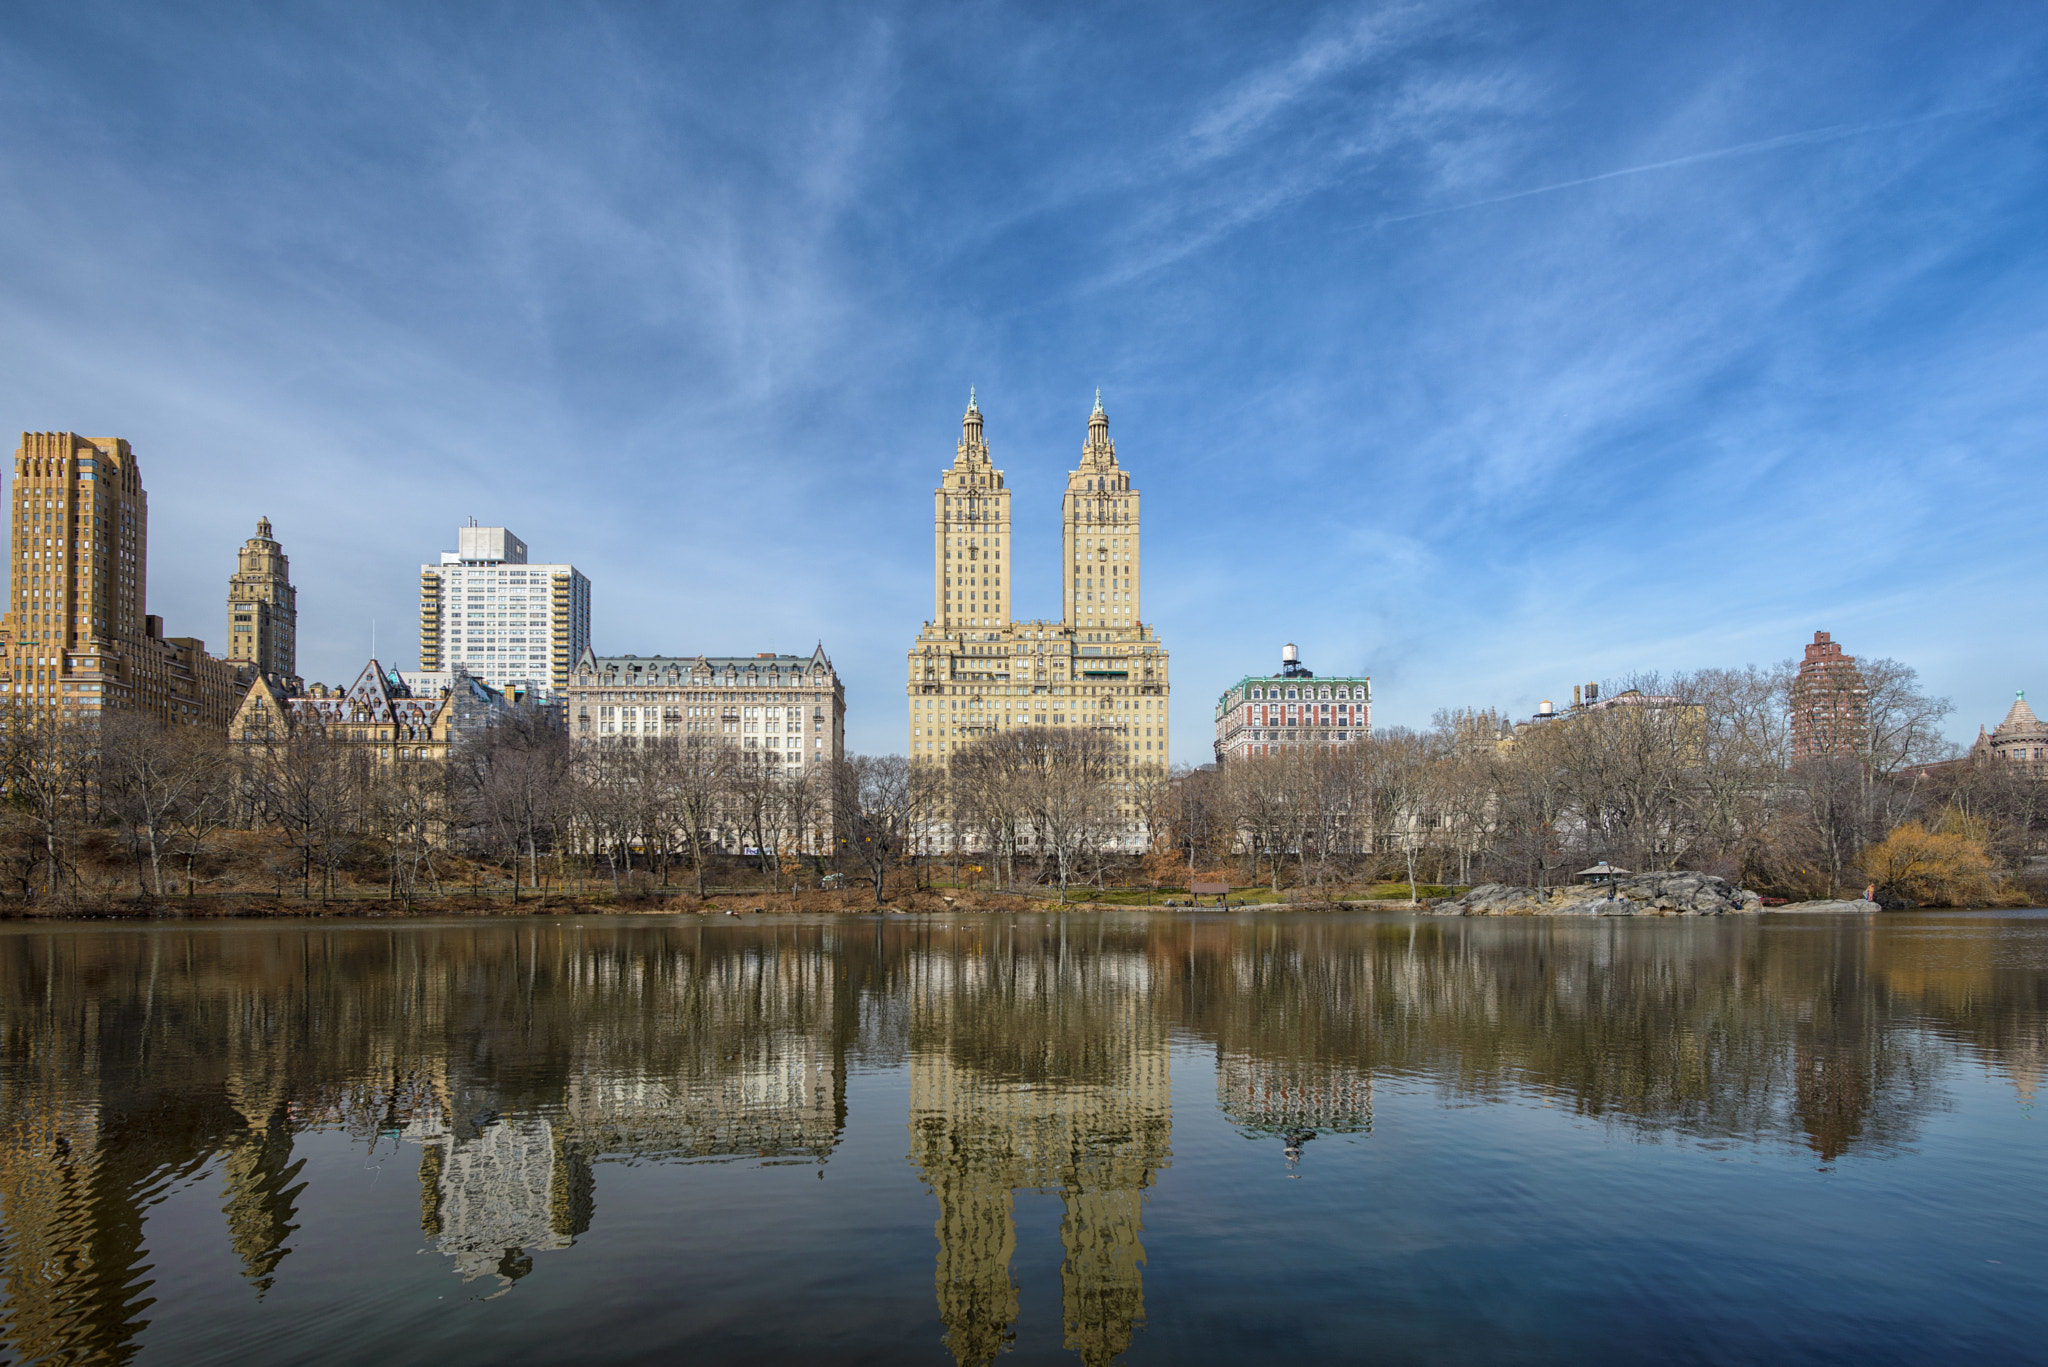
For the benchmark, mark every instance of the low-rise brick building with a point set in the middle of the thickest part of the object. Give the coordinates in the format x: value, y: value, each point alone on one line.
x: 1291, y: 710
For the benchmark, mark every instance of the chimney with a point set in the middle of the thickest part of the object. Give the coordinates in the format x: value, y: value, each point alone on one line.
x: 1575, y: 695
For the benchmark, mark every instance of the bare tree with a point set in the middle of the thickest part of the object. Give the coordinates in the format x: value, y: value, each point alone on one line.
x: 805, y: 809
x: 699, y: 772
x: 1061, y: 780
x: 45, y: 762
x: 511, y: 779
x: 875, y: 800
x: 144, y: 780
x: 1185, y: 812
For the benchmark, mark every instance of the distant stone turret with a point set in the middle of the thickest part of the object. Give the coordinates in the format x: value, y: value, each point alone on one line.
x: 263, y: 609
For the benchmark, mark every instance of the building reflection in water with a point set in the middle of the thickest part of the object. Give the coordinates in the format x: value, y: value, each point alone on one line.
x: 493, y: 1195
x: 521, y: 1059
x: 1037, y: 1072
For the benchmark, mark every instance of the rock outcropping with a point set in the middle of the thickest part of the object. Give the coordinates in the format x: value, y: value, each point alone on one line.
x: 1644, y: 894
x: 1859, y: 907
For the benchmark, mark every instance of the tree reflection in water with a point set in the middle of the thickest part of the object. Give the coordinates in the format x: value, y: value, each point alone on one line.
x: 521, y: 1058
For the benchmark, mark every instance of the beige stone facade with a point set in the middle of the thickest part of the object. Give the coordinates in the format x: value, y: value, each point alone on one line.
x: 975, y: 672
x: 784, y: 713
x: 2021, y: 740
x: 263, y: 608
x: 750, y: 717
x: 77, y: 639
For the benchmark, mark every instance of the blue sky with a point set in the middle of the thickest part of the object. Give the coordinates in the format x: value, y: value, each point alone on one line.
x: 1481, y: 348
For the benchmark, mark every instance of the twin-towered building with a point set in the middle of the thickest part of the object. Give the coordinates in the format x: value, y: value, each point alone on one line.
x: 976, y: 671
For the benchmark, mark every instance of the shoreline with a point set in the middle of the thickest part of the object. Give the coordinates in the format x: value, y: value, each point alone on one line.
x: 739, y: 906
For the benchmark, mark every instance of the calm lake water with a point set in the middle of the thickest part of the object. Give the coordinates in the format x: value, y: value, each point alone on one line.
x: 928, y: 1140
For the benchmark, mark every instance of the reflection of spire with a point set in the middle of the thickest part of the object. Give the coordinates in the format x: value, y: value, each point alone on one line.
x: 259, y: 1169
x: 1062, y: 1087
x: 977, y: 1237
x: 1102, y: 1290
x: 261, y: 1198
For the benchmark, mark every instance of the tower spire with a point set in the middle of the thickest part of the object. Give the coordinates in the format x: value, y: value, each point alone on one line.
x: 970, y: 425
x: 1098, y: 426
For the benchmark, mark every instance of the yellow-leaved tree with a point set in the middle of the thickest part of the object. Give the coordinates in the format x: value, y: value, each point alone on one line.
x: 1948, y: 866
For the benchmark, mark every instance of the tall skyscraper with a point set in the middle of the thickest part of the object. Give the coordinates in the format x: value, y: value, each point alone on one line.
x: 1099, y: 536
x: 502, y: 619
x: 975, y: 671
x: 970, y: 499
x: 81, y: 536
x: 263, y: 608
x: 78, y: 638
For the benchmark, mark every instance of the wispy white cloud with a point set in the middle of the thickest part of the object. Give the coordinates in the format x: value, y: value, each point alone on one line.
x: 1339, y: 48
x: 1805, y: 138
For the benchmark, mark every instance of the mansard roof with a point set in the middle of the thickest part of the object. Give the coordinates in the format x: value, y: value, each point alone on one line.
x: 772, y: 663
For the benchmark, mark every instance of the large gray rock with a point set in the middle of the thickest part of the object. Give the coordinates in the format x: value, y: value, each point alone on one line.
x: 1643, y: 894
x: 1858, y: 907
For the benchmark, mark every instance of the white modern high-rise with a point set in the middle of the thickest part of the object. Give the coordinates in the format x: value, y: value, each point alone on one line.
x: 506, y: 621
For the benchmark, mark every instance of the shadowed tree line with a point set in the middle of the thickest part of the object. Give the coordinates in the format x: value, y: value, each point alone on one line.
x: 118, y: 812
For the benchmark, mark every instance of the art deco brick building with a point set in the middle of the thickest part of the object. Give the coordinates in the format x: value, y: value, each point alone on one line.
x: 77, y: 639
x: 974, y: 671
x: 1828, y: 702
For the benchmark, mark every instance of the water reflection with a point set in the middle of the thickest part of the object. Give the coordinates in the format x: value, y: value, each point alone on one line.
x: 1037, y: 1067
x: 521, y: 1059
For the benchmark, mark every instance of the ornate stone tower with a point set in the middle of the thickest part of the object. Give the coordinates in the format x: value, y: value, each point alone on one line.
x: 263, y: 611
x: 971, y: 535
x: 1099, y: 519
x: 976, y: 671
